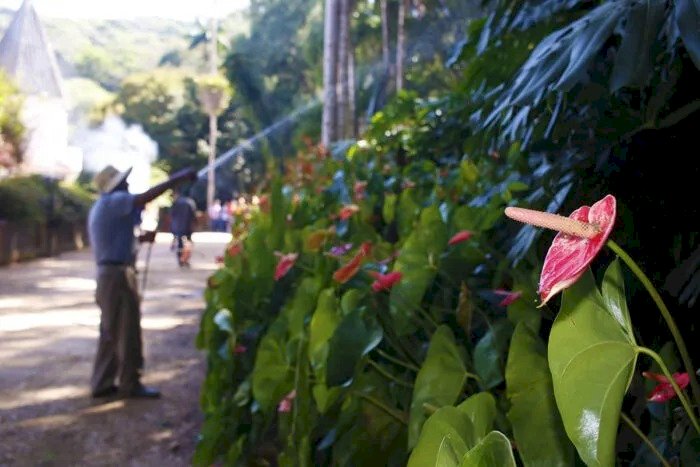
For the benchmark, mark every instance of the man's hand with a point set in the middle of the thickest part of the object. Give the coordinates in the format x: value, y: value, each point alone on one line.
x: 147, y: 237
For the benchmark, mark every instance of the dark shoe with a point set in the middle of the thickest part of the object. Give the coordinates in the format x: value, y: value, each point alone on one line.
x: 143, y: 392
x: 107, y: 392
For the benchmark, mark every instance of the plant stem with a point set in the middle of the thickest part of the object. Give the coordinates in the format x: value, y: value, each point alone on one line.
x: 475, y: 377
x: 684, y: 401
x: 400, y: 416
x: 397, y: 361
x: 677, y: 337
x: 388, y: 375
x: 646, y: 440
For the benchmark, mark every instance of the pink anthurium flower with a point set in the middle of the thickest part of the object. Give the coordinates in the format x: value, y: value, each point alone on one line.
x: 285, y: 405
x: 508, y: 296
x: 240, y: 348
x: 581, y: 236
x: 285, y: 263
x: 385, y: 281
x: 347, y: 211
x: 459, y: 237
x: 664, y: 391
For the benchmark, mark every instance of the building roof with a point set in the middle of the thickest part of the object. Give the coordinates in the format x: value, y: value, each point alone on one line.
x: 27, y: 56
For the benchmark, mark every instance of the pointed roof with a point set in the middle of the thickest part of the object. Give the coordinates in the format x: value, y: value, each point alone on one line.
x: 27, y: 56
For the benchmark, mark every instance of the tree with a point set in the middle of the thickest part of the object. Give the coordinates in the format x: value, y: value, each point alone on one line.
x: 330, y: 70
x: 11, y: 127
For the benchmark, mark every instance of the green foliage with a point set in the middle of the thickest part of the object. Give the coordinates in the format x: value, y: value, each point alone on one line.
x: 11, y: 127
x: 583, y: 331
x: 378, y: 370
x: 537, y: 426
x: 42, y: 200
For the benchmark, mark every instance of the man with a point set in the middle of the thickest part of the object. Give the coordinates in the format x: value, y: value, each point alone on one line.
x: 111, y: 225
x: 182, y: 217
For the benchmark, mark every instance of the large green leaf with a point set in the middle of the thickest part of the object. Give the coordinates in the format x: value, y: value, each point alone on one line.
x: 417, y: 262
x: 592, y: 360
x: 490, y: 353
x: 272, y: 374
x: 446, y: 436
x: 633, y: 59
x: 323, y: 324
x: 615, y: 299
x: 481, y: 410
x: 537, y: 426
x: 492, y: 451
x: 439, y: 380
x: 302, y: 305
x: 688, y: 18
x: 353, y: 338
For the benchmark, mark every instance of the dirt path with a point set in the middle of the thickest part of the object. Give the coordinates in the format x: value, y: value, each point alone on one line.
x: 48, y: 334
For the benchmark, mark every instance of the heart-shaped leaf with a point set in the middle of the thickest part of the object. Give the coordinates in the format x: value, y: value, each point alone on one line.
x: 592, y: 360
x: 446, y: 436
x: 537, y: 426
x: 439, y: 380
x: 490, y: 353
x: 353, y: 338
x: 492, y: 451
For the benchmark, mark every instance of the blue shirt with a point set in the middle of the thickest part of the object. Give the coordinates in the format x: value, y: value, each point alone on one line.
x: 111, y: 228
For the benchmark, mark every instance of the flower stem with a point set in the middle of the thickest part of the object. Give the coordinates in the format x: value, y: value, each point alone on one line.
x: 670, y: 322
x: 684, y: 401
x: 646, y: 440
x: 400, y: 416
x: 388, y: 375
x: 397, y: 361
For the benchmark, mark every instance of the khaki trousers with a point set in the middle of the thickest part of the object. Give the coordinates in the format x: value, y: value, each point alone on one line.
x: 119, y: 351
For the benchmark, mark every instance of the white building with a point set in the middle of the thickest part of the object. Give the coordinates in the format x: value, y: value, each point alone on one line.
x: 27, y: 57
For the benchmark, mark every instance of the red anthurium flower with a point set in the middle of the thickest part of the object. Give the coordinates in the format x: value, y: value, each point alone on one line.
x: 347, y: 211
x: 285, y: 264
x: 459, y: 237
x: 385, y: 281
x: 664, y: 391
x: 240, y: 349
x: 233, y: 249
x: 285, y: 405
x: 581, y: 236
x: 348, y: 271
x: 359, y: 190
x: 508, y: 296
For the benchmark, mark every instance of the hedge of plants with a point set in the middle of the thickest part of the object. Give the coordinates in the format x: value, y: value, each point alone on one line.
x: 37, y: 199
x: 381, y: 309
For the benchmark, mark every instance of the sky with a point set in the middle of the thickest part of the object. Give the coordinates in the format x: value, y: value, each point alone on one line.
x: 173, y: 9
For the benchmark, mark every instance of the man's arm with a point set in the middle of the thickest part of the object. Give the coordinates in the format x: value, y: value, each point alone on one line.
x: 152, y: 193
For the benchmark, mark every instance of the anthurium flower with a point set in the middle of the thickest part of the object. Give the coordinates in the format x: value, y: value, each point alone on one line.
x: 508, y: 296
x: 459, y: 237
x: 219, y: 259
x: 285, y: 405
x: 347, y: 211
x: 664, y: 391
x: 233, y: 249
x: 348, y: 271
x: 240, y: 349
x: 385, y: 281
x: 359, y: 190
x: 285, y: 264
x: 581, y: 236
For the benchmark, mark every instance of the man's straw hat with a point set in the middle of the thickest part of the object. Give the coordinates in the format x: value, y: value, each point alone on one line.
x: 109, y: 178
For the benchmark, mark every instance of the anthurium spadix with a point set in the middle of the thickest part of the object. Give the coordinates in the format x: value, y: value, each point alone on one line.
x: 581, y: 236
